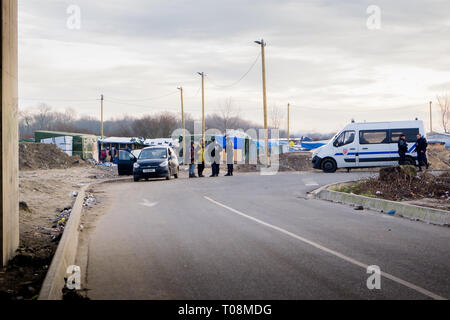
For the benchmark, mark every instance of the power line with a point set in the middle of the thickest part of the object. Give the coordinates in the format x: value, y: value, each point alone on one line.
x: 240, y: 79
x: 146, y: 99
x: 62, y: 100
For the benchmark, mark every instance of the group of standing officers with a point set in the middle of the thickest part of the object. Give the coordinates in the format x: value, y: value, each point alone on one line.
x: 421, y: 149
x: 212, y: 151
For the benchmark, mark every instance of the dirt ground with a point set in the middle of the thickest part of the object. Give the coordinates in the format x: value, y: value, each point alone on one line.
x: 44, y: 194
x: 439, y: 157
x: 405, y: 184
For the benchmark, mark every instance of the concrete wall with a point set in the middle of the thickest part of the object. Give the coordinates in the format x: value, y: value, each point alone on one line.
x: 9, y: 159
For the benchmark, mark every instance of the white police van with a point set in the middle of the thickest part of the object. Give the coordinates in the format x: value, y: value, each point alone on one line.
x: 368, y: 144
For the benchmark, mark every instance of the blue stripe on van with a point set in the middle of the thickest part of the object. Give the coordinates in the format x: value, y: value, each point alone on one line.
x: 376, y: 152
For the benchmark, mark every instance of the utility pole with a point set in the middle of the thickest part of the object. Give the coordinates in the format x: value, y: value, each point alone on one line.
x: 101, y: 117
x: 203, y: 104
x: 288, y: 123
x: 431, y: 120
x: 266, y: 131
x: 182, y: 122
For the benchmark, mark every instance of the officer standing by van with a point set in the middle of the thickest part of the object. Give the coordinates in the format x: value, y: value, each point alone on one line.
x: 421, y: 149
x: 402, y: 149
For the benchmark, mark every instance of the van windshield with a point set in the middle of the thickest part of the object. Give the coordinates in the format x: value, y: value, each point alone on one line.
x: 154, y: 153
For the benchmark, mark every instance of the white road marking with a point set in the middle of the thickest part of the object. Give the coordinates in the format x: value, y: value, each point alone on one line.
x: 309, y: 182
x: 330, y: 251
x: 147, y: 203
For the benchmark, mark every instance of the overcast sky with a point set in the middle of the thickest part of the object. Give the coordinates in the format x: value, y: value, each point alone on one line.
x: 321, y: 57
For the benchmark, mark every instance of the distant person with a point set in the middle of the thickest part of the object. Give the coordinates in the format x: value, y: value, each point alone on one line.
x: 108, y: 155
x: 113, y: 153
x: 421, y: 149
x: 229, y: 149
x: 102, y: 156
x: 192, y: 163
x: 402, y: 149
x: 200, y: 150
x: 215, y: 150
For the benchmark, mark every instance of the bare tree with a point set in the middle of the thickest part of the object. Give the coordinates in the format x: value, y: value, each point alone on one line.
x: 229, y: 115
x: 444, y: 105
x: 275, y: 117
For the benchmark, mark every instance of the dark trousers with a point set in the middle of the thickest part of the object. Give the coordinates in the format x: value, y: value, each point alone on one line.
x: 230, y: 169
x: 200, y: 168
x: 422, y: 158
x: 215, y: 169
x: 402, y: 158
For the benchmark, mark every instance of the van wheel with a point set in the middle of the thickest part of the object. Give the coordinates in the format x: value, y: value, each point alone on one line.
x: 329, y: 165
x: 136, y: 179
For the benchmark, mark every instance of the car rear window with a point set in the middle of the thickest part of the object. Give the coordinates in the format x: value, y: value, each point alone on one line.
x: 154, y: 153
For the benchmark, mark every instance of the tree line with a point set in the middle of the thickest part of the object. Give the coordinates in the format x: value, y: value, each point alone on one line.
x: 157, y: 125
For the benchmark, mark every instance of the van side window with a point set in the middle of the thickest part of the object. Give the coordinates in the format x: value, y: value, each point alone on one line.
x: 344, y: 138
x: 373, y: 136
x: 409, y: 133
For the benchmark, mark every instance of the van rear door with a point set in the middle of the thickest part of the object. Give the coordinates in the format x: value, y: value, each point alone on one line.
x: 374, y: 148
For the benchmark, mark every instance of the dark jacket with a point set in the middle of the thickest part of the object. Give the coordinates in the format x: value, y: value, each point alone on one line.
x: 402, y: 146
x: 192, y: 154
x: 421, y: 144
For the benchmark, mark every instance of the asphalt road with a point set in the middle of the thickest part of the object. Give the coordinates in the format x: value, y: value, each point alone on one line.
x: 258, y: 237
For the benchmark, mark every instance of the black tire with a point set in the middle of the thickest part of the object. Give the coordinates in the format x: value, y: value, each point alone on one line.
x: 135, y: 178
x: 329, y: 165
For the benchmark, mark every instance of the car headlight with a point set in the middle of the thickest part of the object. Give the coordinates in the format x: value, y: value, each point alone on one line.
x: 164, y: 164
x: 136, y: 165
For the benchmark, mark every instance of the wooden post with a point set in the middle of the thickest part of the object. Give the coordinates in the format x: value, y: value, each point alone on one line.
x: 9, y: 137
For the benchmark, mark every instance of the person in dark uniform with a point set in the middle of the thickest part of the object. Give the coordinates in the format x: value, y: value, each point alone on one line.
x: 402, y: 149
x: 215, y: 150
x: 421, y: 149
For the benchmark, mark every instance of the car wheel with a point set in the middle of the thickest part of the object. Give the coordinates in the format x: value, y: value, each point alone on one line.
x: 135, y: 178
x: 329, y: 165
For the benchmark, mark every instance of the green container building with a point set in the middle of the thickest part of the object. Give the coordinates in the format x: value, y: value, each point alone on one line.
x: 84, y: 145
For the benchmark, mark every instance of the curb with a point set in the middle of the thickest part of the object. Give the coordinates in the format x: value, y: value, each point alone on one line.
x: 428, y: 215
x: 66, y: 251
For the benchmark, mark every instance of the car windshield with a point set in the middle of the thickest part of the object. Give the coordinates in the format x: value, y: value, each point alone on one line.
x: 154, y: 153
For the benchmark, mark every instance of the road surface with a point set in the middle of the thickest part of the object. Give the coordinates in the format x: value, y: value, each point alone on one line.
x: 258, y: 237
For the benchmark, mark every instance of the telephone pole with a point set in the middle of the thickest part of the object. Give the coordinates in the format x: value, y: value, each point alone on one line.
x: 288, y: 135
x: 431, y: 120
x: 203, y: 104
x: 266, y: 131
x: 101, y: 117
x: 182, y: 122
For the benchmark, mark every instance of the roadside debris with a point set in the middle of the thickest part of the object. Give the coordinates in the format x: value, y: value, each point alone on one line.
x: 359, y: 208
x: 89, y: 200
